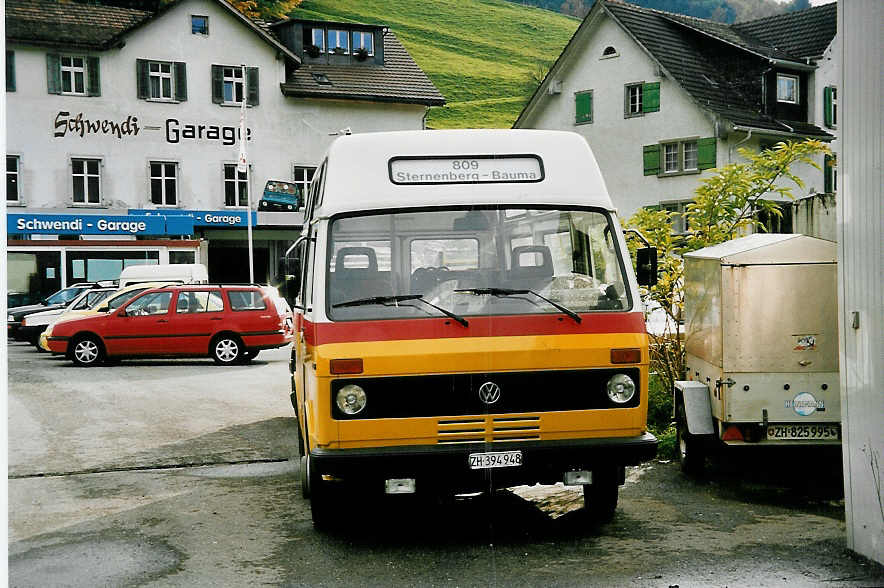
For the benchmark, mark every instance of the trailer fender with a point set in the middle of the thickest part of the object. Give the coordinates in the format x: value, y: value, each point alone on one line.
x: 698, y: 410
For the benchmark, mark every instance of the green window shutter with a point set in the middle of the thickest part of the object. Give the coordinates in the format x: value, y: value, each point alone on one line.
x: 53, y: 73
x: 583, y: 102
x: 10, y: 71
x: 93, y: 71
x: 180, y: 70
x: 217, y: 84
x: 706, y: 152
x: 651, y: 158
x: 651, y: 97
x: 828, y: 161
x: 827, y: 106
x: 252, y: 78
x: 142, y: 79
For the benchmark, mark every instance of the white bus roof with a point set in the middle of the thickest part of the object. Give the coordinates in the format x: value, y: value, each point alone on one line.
x: 358, y: 175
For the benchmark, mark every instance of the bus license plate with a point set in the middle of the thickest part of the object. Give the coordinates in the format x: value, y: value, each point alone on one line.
x: 499, y: 459
x: 811, y: 432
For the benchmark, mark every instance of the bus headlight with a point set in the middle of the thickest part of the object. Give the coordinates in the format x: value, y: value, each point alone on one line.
x: 621, y: 388
x: 351, y: 399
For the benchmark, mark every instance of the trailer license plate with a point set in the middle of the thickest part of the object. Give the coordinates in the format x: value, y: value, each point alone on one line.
x: 499, y: 459
x: 813, y: 432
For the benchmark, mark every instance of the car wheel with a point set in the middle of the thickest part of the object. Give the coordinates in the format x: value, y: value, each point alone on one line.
x: 691, y: 453
x: 227, y: 350
x: 600, y: 497
x: 87, y: 351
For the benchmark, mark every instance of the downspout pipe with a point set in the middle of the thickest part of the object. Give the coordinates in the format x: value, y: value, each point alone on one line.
x: 730, y: 151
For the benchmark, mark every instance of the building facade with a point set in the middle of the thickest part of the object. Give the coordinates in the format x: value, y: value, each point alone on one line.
x: 125, y: 124
x: 663, y: 98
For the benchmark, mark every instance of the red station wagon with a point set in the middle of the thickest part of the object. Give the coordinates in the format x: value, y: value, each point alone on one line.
x: 231, y: 324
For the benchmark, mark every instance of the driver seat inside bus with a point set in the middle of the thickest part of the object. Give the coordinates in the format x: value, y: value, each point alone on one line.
x: 356, y: 275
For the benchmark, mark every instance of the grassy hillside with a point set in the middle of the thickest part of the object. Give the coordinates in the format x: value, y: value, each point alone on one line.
x: 485, y: 56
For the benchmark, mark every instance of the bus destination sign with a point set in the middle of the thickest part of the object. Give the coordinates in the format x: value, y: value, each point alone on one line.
x: 467, y: 169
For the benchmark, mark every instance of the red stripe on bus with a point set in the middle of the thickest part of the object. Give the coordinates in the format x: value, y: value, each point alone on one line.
x: 484, y: 326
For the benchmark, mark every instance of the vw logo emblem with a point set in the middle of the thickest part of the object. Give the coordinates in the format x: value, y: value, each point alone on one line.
x: 489, y: 392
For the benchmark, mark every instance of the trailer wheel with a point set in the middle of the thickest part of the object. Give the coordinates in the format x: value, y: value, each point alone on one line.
x: 600, y: 497
x: 691, y: 452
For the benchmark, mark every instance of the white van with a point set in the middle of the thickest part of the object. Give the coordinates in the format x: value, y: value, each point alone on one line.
x: 180, y: 273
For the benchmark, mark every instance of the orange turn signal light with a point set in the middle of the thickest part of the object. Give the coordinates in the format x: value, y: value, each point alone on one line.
x: 631, y: 355
x: 346, y: 366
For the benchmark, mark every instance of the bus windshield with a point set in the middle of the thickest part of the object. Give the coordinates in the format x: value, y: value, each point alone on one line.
x: 472, y: 262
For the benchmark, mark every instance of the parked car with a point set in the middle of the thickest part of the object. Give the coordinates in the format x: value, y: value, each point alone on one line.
x: 34, y: 324
x: 230, y: 324
x: 112, y: 302
x: 279, y: 195
x: 59, y: 299
x: 14, y: 298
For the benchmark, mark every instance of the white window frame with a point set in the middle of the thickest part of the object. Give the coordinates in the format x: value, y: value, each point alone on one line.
x: 679, y: 207
x: 84, y: 178
x: 160, y: 75
x: 233, y: 75
x: 193, y: 32
x: 680, y: 159
x: 834, y: 106
x: 796, y: 98
x: 361, y: 44
x: 163, y: 178
x: 72, y: 70
x: 338, y: 33
x: 634, y: 99
x: 16, y: 175
x: 237, y: 182
x: 303, y: 182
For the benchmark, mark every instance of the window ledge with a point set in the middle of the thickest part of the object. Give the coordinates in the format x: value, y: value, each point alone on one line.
x: 163, y: 100
x: 88, y: 205
x: 690, y: 172
x: 233, y: 105
x: 633, y: 114
x: 586, y: 122
x: 15, y: 204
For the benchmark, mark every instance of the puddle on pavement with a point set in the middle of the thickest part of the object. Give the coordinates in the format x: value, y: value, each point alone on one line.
x: 109, y: 561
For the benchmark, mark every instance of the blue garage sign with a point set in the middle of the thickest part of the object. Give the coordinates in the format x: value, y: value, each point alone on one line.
x: 84, y: 224
x: 204, y: 218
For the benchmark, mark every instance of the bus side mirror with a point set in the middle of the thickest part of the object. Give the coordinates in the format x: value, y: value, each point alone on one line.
x: 646, y: 266
x: 292, y: 277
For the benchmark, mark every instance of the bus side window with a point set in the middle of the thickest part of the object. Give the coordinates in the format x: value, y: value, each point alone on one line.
x: 313, y: 195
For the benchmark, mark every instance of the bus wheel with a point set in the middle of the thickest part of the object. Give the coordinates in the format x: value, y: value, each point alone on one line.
x: 305, y: 477
x: 600, y: 497
x: 691, y: 453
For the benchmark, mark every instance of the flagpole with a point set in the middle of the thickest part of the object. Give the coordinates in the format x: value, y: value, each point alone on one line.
x: 243, y: 165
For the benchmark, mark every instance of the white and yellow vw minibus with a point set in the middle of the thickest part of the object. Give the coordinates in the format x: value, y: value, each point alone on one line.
x: 468, y: 318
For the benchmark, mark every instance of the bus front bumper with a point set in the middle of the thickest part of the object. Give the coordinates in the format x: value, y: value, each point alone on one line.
x: 446, y: 467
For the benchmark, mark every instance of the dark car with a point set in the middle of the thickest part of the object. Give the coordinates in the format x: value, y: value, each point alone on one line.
x: 58, y: 300
x: 279, y: 195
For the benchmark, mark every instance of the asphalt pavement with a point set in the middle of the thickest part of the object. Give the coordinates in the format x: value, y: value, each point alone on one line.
x: 184, y: 473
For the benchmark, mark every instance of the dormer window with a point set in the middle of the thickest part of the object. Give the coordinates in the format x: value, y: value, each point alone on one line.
x: 787, y: 88
x: 363, y: 40
x: 338, y: 41
x: 609, y: 51
x: 318, y: 38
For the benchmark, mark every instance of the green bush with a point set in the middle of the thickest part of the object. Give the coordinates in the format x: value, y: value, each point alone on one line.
x: 659, y: 404
x: 666, y: 448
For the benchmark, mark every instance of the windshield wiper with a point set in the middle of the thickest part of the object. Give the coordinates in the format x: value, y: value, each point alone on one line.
x: 387, y: 300
x: 509, y: 292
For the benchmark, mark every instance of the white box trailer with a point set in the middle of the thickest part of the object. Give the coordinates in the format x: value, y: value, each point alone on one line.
x: 761, y: 341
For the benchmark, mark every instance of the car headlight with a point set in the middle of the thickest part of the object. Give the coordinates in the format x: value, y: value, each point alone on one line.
x: 10, y: 318
x: 621, y: 388
x: 351, y: 399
